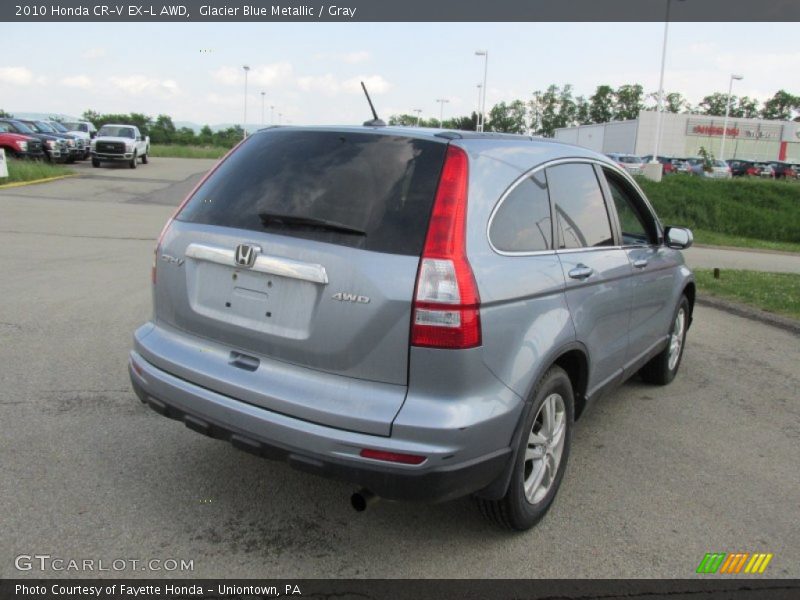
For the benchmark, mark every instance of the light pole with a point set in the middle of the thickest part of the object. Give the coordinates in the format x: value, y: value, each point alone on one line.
x: 727, y: 112
x: 244, y: 121
x: 485, y: 55
x: 279, y: 118
x: 479, y: 124
x: 419, y: 112
x: 655, y: 173
x: 271, y: 115
x: 262, y: 107
x: 442, y: 102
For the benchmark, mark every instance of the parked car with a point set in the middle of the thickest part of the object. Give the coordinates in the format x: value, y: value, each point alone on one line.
x: 765, y: 170
x: 74, y: 145
x: 86, y: 127
x: 744, y: 168
x: 120, y: 143
x: 19, y: 146
x: 668, y: 164
x: 718, y: 169
x: 682, y: 166
x: 631, y: 163
x: 55, y: 147
x: 783, y: 170
x: 400, y: 308
x: 82, y: 139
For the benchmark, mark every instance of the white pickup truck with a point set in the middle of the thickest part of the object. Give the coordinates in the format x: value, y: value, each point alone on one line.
x: 120, y: 143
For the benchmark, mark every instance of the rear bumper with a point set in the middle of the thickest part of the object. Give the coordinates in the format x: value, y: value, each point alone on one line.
x: 315, y: 448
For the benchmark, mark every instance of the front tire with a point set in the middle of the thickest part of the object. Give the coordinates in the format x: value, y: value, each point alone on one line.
x: 95, y: 163
x: 541, y: 456
x: 662, y: 369
x: 132, y: 162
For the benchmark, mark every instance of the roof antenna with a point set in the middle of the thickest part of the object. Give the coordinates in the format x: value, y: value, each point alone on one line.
x: 375, y: 122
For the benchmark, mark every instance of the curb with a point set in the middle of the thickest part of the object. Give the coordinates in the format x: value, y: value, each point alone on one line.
x: 34, y: 181
x: 743, y: 249
x: 749, y: 312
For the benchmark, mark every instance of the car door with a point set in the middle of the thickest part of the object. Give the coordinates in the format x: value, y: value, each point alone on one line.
x: 652, y: 263
x: 596, y: 271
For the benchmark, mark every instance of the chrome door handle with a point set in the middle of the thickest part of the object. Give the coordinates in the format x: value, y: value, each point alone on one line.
x: 640, y: 264
x: 581, y: 272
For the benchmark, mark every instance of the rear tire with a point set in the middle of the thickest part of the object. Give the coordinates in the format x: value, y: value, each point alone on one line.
x: 95, y: 163
x: 541, y: 457
x: 144, y: 159
x: 662, y: 369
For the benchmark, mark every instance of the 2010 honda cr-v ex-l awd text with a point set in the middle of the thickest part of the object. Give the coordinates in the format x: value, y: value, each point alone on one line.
x: 422, y: 313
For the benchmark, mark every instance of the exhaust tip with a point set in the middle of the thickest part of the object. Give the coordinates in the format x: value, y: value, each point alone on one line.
x: 362, y: 499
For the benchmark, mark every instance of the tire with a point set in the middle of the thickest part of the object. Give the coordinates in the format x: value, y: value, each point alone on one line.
x: 541, y: 458
x: 662, y: 368
x: 132, y: 162
x: 95, y: 163
x: 144, y: 159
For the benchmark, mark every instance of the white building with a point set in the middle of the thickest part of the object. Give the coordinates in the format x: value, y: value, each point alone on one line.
x: 682, y: 136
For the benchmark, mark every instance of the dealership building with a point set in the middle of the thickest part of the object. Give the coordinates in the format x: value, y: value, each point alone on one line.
x: 682, y: 136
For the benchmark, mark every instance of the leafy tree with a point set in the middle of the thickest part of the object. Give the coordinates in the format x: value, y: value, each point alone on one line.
x: 601, y: 104
x: 163, y: 130
x: 714, y: 104
x: 782, y: 106
x: 4, y: 114
x: 544, y: 111
x: 206, y: 136
x: 465, y: 123
x: 508, y: 118
x: 628, y: 102
x: 582, y: 111
x: 746, y: 108
x: 674, y: 102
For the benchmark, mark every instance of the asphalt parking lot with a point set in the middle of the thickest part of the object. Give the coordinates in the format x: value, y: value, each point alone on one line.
x: 657, y: 476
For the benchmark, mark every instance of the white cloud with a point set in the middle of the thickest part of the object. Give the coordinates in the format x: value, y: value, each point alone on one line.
x: 16, y: 75
x: 77, y: 81
x: 139, y: 84
x: 264, y: 75
x: 375, y: 84
x: 93, y: 53
x: 350, y: 58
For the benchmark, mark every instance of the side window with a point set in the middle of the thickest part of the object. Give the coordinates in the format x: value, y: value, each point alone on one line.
x: 581, y: 216
x: 522, y: 223
x: 636, y: 224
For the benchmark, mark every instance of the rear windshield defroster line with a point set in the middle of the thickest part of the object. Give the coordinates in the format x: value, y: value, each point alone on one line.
x: 365, y: 190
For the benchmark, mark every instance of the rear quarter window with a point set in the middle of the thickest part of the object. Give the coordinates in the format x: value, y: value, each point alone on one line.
x: 378, y: 184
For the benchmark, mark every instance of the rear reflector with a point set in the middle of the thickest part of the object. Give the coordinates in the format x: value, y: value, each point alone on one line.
x: 446, y: 302
x: 395, y: 457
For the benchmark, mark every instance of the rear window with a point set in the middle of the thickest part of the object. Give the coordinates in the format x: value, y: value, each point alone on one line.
x: 376, y: 190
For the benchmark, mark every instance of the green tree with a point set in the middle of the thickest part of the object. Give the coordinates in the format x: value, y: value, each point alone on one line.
x: 747, y: 108
x: 163, y: 130
x: 601, y: 104
x: 582, y: 111
x: 782, y: 106
x: 544, y: 111
x: 674, y: 102
x: 4, y: 114
x: 464, y: 123
x: 714, y: 104
x: 508, y: 118
x: 628, y: 102
x: 206, y: 136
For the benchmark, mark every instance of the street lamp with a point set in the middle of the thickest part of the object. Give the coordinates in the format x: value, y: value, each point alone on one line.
x: 660, y: 109
x: 727, y: 112
x: 244, y: 122
x: 279, y: 118
x: 271, y: 115
x: 262, y: 107
x: 419, y: 112
x: 478, y: 124
x: 485, y: 55
x: 442, y: 102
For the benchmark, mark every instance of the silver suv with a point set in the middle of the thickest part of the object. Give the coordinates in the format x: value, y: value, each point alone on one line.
x: 422, y: 313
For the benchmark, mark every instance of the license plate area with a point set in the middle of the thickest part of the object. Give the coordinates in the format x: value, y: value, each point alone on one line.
x: 257, y: 301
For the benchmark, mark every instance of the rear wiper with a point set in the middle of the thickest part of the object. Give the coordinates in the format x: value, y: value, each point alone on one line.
x: 269, y: 218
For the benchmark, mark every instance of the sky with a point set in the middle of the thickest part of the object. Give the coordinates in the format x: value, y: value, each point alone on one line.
x: 310, y: 73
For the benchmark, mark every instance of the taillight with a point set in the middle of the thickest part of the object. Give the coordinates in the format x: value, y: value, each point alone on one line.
x: 446, y: 310
x: 395, y: 457
x: 182, y: 204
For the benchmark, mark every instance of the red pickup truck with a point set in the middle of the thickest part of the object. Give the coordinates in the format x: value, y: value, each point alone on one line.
x: 19, y: 146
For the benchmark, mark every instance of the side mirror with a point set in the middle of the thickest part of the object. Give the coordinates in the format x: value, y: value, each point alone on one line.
x: 679, y: 238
